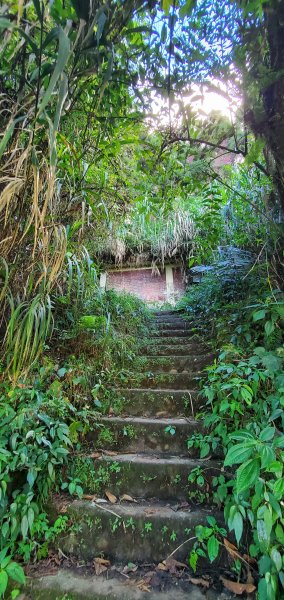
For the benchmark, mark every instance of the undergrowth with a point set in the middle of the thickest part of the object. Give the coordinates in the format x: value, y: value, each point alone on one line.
x: 47, y: 412
x: 244, y: 419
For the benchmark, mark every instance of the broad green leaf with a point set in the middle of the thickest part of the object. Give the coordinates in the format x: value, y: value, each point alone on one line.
x: 267, y: 434
x: 247, y: 475
x: 269, y: 328
x: 238, y: 454
x: 24, y: 526
x: 279, y: 532
x: 277, y: 558
x: 193, y: 558
x: 262, y: 534
x: 16, y: 572
x: 267, y: 456
x: 3, y: 582
x: 278, y: 489
x: 238, y: 526
x: 258, y: 315
x: 213, y: 548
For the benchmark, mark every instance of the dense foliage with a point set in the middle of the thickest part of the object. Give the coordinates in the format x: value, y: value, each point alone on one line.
x: 92, y: 172
x: 243, y: 415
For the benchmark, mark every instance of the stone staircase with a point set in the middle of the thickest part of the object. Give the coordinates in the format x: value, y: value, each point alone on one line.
x: 145, y: 467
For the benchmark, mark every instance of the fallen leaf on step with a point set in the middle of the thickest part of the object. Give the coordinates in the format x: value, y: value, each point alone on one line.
x: 109, y: 453
x: 102, y: 561
x: 101, y: 565
x: 200, y: 581
x: 95, y: 455
x: 162, y: 567
x: 171, y: 565
x: 110, y: 412
x: 174, y: 565
x: 231, y: 549
x: 111, y: 497
x: 89, y: 497
x: 143, y: 587
x: 150, y: 511
x: 127, y: 498
x: 130, y: 568
x: 162, y: 413
x: 234, y: 553
x: 238, y: 588
x: 100, y: 500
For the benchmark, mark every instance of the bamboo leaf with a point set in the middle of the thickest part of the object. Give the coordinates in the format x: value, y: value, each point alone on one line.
x: 63, y: 55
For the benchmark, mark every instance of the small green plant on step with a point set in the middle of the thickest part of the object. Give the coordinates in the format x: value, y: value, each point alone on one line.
x: 208, y: 541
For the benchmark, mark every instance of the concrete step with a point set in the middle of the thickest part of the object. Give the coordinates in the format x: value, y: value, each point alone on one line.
x: 174, y: 341
x: 164, y: 333
x: 166, y: 313
x: 177, y: 381
x: 176, y: 364
x: 69, y: 584
x: 146, y: 476
x: 175, y: 349
x: 173, y: 324
x: 171, y: 319
x: 142, y: 434
x: 149, y: 403
x: 128, y: 532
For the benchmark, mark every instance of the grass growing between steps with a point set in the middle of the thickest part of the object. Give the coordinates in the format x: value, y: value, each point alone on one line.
x: 46, y: 415
x: 244, y: 417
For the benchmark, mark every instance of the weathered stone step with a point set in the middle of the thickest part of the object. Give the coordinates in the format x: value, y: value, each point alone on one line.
x: 171, y: 364
x: 140, y: 434
x: 176, y: 324
x: 67, y: 584
x: 148, y: 403
x: 174, y: 341
x: 130, y: 532
x: 175, y: 349
x: 171, y: 319
x: 146, y: 476
x: 161, y: 333
x: 178, y: 381
x: 165, y: 313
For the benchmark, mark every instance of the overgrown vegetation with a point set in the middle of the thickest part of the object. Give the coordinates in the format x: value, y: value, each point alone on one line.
x: 244, y: 418
x: 89, y: 174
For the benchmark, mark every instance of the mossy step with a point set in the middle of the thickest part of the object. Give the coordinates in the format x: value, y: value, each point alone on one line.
x: 157, y: 341
x: 174, y: 324
x: 170, y: 319
x: 146, y: 476
x: 171, y: 324
x: 178, y: 364
x: 165, y: 313
x: 68, y: 584
x: 140, y: 434
x: 175, y: 349
x: 178, y: 381
x: 160, y: 333
x: 130, y: 532
x: 148, y: 403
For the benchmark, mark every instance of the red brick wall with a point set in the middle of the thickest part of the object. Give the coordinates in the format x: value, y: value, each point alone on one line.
x: 140, y: 282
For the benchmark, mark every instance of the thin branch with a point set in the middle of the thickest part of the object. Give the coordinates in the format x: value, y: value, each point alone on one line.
x: 217, y: 146
x: 199, y: 141
x: 180, y: 546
